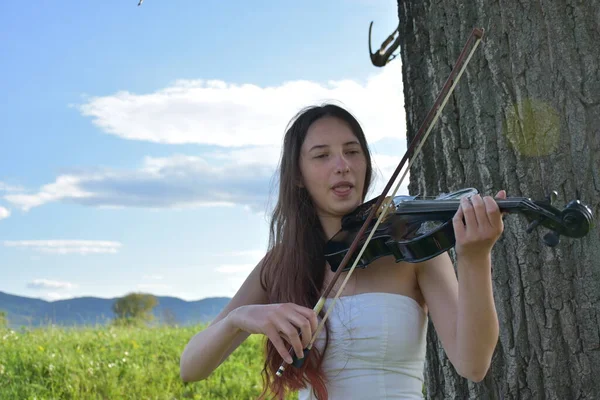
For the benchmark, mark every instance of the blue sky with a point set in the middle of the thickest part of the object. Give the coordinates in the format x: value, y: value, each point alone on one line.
x: 138, y: 144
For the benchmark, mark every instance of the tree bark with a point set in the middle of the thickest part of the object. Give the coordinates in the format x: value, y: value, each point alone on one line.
x: 525, y: 117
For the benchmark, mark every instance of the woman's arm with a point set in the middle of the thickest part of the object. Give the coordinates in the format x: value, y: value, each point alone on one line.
x: 463, y: 310
x: 247, y: 313
x: 210, y: 347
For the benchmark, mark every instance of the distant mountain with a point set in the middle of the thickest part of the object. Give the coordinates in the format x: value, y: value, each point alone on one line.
x: 26, y: 311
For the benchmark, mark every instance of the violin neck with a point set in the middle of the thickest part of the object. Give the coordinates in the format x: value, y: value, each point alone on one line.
x: 511, y: 205
x: 515, y: 204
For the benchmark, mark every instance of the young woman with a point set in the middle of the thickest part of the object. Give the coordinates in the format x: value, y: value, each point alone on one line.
x: 373, y: 343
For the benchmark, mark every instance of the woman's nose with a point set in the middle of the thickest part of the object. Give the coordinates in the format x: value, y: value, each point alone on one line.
x: 342, y: 165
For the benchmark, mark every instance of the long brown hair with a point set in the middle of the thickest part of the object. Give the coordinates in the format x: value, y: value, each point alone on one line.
x: 294, y: 267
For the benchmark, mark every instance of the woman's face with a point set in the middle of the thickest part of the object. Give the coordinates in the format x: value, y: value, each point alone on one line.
x: 333, y: 167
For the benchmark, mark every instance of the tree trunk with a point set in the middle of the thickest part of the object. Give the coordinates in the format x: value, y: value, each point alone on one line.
x: 525, y: 117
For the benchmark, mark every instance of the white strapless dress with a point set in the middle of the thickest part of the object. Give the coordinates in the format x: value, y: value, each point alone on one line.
x: 376, y: 348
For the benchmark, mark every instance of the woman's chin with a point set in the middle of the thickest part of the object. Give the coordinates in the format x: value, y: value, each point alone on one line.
x: 344, y: 207
x: 336, y: 206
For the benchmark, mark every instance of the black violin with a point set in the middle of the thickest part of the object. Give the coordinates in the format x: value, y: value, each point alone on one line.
x: 417, y: 230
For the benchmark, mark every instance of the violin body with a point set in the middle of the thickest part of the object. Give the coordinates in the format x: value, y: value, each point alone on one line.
x: 418, y: 230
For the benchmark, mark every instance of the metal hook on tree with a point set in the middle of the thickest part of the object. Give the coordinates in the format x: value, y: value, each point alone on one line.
x: 383, y: 56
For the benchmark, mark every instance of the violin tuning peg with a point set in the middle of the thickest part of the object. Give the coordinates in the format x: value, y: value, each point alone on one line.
x: 551, y: 239
x: 532, y: 226
x: 577, y: 197
x: 551, y: 198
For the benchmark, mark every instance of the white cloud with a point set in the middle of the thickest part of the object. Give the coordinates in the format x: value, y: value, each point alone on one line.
x: 53, y: 296
x: 65, y: 186
x: 50, y: 284
x: 66, y: 246
x: 224, y: 114
x: 385, y: 166
x: 4, y: 212
x: 172, y: 182
x: 227, y: 115
x: 5, y: 187
x: 242, y: 177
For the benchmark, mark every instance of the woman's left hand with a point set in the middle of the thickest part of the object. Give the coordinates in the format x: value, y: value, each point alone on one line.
x: 477, y: 226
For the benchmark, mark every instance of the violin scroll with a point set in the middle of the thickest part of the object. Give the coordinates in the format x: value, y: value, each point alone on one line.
x: 574, y: 221
x: 578, y: 219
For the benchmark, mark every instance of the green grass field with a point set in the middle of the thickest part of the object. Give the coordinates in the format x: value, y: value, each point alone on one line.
x: 118, y: 363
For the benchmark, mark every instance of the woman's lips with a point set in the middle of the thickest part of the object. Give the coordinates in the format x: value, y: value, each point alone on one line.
x: 342, y: 190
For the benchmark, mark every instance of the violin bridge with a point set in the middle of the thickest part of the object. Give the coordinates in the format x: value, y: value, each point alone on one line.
x: 386, y: 203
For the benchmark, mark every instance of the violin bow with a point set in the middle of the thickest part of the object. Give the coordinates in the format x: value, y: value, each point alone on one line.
x: 434, y: 113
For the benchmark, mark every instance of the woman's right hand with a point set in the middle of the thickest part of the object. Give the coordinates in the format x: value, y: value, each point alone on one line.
x: 278, y: 322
